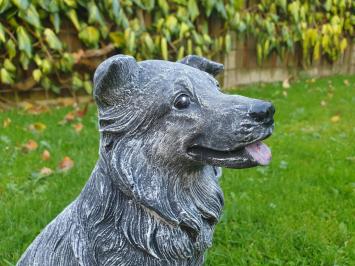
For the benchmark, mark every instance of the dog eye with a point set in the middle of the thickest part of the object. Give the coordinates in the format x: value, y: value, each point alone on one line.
x: 182, y: 101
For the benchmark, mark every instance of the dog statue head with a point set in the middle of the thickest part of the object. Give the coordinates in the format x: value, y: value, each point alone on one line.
x: 166, y: 129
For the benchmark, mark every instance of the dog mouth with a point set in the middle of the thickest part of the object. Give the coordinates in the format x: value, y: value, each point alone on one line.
x: 249, y: 155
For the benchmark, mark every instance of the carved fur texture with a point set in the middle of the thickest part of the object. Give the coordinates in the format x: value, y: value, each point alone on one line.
x: 153, y: 197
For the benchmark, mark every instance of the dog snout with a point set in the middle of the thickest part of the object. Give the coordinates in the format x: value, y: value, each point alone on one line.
x: 262, y: 112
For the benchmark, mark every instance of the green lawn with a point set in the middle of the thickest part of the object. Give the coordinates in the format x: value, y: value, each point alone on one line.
x: 298, y: 211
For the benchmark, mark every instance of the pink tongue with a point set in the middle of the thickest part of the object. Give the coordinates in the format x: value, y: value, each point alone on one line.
x: 260, y: 152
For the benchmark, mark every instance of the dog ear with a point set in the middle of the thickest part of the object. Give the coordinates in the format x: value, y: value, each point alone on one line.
x: 111, y: 76
x: 203, y: 64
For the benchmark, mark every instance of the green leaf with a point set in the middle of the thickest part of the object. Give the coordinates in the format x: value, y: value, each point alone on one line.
x: 2, y: 34
x: 46, y: 66
x: 24, y: 41
x: 181, y: 52
x: 9, y: 66
x: 95, y: 15
x: 148, y: 41
x: 193, y: 9
x: 4, y: 5
x: 74, y: 19
x: 70, y: 3
x: 6, y: 77
x: 209, y: 5
x: 21, y: 4
x: 163, y: 4
x: 55, y: 19
x: 37, y: 74
x: 46, y: 83
x: 31, y: 16
x: 117, y: 38
x: 11, y: 48
x: 24, y: 60
x: 221, y: 9
x: 116, y: 9
x: 164, y: 48
x: 67, y: 62
x: 88, y: 86
x: 77, y: 83
x: 90, y: 36
x: 171, y: 23
x: 343, y: 44
x: 52, y: 40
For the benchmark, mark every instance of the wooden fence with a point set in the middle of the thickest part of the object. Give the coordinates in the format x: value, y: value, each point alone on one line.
x: 241, y: 65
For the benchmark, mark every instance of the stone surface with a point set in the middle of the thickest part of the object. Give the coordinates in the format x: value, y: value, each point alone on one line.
x: 153, y: 197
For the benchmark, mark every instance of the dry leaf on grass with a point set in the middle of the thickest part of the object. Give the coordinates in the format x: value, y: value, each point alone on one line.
x: 30, y: 145
x: 78, y: 127
x: 45, y: 155
x: 66, y: 164
x: 346, y: 82
x: 82, y: 112
x: 34, y: 108
x: 37, y: 127
x: 45, y: 171
x: 286, y: 83
x: 335, y: 119
x: 6, y: 122
x: 69, y: 117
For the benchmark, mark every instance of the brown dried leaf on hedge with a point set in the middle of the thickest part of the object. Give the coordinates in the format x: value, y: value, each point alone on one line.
x: 66, y: 164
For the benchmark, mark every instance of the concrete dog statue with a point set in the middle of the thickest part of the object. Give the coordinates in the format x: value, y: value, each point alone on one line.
x: 153, y: 197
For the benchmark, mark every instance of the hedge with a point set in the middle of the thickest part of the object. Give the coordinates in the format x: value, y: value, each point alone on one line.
x: 34, y: 51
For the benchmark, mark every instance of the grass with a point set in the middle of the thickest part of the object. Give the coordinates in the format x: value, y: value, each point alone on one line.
x: 300, y: 210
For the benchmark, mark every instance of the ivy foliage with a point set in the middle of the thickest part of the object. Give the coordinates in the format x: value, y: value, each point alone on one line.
x: 33, y: 50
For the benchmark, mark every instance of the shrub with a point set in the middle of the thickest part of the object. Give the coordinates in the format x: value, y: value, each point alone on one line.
x: 35, y: 48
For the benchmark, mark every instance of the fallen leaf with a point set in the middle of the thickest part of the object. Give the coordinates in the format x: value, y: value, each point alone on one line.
x: 27, y: 106
x: 284, y: 93
x: 46, y: 155
x: 37, y: 127
x: 31, y: 145
x: 286, y: 84
x: 69, y: 117
x: 66, y: 164
x: 67, y: 101
x: 6, y: 122
x: 45, y: 171
x: 78, y: 127
x: 82, y: 112
x: 346, y: 82
x: 323, y: 103
x: 335, y: 119
x: 34, y: 108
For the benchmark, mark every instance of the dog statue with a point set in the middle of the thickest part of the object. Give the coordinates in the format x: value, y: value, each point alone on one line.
x: 153, y: 197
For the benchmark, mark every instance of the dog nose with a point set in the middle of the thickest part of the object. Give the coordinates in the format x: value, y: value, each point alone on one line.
x: 262, y: 112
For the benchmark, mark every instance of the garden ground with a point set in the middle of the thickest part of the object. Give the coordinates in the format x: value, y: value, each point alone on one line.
x: 298, y: 211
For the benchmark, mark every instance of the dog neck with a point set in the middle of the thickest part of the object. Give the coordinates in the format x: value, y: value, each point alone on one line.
x: 123, y: 225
